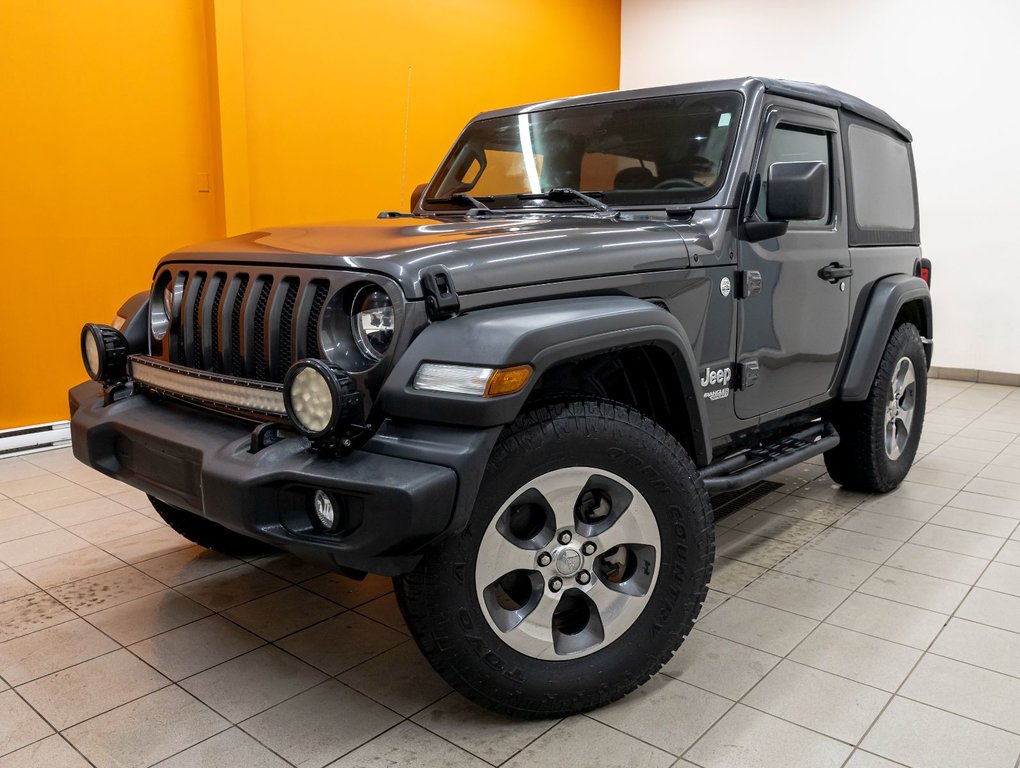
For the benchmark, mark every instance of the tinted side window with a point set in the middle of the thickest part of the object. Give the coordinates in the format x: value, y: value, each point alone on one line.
x: 883, y: 187
x: 789, y: 144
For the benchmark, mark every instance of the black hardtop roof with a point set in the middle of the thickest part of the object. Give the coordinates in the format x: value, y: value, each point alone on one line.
x: 810, y: 92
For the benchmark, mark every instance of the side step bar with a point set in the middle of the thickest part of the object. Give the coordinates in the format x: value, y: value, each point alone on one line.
x: 758, y: 463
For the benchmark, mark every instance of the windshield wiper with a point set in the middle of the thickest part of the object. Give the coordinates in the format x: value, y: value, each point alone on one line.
x: 462, y: 198
x: 567, y: 193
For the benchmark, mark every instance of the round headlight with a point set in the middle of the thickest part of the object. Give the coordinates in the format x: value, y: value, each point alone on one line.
x: 372, y: 322
x: 161, y: 306
x: 318, y: 397
x: 104, y: 351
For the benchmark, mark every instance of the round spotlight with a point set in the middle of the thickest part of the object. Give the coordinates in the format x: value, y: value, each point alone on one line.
x: 104, y: 351
x: 324, y: 511
x: 372, y: 322
x: 319, y: 397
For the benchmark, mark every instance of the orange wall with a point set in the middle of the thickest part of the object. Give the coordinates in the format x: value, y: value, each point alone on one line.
x: 296, y: 112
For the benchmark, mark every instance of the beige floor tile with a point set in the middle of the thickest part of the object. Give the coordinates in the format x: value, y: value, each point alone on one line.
x: 16, y: 468
x: 581, y: 735
x: 922, y: 492
x: 938, y: 562
x: 747, y: 738
x: 19, y: 527
x: 775, y: 526
x: 492, y: 737
x: 812, y: 599
x: 712, y: 601
x: 19, y: 725
x: 823, y: 489
x: 915, y: 589
x: 400, y: 678
x: 289, y: 567
x: 860, y: 759
x: 68, y: 567
x: 147, y: 545
x: 30, y: 613
x: 866, y: 659
x: 887, y: 620
x: 832, y: 705
x: 1010, y: 553
x: 759, y: 626
x: 1001, y: 577
x: 147, y: 616
x: 252, y: 683
x: 980, y: 694
x: 84, y: 512
x: 128, y: 523
x: 131, y: 498
x: 942, y: 464
x: 9, y: 508
x: 939, y: 478
x: 719, y: 665
x: 983, y: 646
x: 342, y: 642
x: 304, y: 729
x: 860, y: 546
x: 14, y: 585
x: 51, y: 752
x: 692, y: 712
x: 919, y: 511
x: 105, y: 590
x: 410, y: 745
x: 49, y: 650
x: 283, y: 613
x: 997, y: 488
x: 731, y: 576
x: 173, y: 720
x: 386, y: 611
x: 187, y: 564
x: 227, y: 749
x: 87, y: 689
x: 348, y: 592
x: 955, y: 540
x: 748, y: 548
x: 979, y: 502
x: 194, y: 647
x: 41, y: 482
x: 828, y: 568
x: 807, y: 509
x: 918, y: 735
x: 978, y: 522
x: 992, y: 608
x: 232, y: 587
x: 56, y: 497
x: 39, y: 547
x: 883, y: 526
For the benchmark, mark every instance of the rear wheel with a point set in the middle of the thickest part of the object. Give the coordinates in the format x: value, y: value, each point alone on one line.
x: 581, y: 570
x: 879, y: 436
x: 208, y: 534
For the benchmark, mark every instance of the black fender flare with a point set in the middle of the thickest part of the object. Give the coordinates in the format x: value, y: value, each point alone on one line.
x: 542, y: 334
x: 133, y: 321
x: 887, y: 297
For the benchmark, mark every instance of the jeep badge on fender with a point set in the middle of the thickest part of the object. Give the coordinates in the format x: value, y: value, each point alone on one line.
x: 494, y: 398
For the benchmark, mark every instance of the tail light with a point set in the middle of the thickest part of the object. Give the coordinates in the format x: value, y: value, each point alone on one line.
x: 922, y: 269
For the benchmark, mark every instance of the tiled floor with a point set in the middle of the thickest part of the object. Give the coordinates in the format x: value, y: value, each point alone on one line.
x: 841, y: 629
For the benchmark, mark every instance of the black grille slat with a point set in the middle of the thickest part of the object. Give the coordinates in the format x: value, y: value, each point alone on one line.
x: 196, y: 319
x: 216, y: 363
x: 259, y: 326
x: 236, y: 358
x: 286, y: 342
x: 312, y: 330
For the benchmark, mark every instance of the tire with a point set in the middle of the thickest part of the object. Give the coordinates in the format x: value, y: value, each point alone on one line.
x: 208, y: 534
x: 517, y: 645
x: 879, y: 436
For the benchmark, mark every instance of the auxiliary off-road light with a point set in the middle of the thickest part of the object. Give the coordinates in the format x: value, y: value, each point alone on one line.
x: 319, y: 397
x: 104, y: 351
x: 471, y: 380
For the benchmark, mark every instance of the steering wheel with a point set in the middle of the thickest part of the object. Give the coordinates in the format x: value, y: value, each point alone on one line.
x: 679, y: 184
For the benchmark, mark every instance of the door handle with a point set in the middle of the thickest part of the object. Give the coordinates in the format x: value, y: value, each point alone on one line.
x: 835, y: 272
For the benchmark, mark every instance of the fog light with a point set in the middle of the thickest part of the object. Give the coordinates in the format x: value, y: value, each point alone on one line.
x: 104, y: 351
x: 319, y: 397
x: 324, y: 511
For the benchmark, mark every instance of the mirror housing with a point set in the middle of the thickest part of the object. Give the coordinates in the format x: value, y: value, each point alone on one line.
x: 416, y: 196
x: 796, y: 191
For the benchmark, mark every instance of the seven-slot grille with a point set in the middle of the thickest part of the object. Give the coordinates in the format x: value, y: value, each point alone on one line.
x: 245, y: 323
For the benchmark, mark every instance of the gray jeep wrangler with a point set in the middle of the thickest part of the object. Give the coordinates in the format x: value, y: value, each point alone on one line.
x: 518, y: 399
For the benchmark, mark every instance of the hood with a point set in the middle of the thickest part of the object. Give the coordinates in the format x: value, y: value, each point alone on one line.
x: 481, y: 254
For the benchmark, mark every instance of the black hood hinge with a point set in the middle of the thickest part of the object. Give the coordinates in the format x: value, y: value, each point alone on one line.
x: 441, y: 299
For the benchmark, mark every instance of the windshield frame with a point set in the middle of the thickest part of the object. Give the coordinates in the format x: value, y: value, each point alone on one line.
x: 647, y: 200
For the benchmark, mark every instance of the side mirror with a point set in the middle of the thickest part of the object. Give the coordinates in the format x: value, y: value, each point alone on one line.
x: 416, y: 196
x: 797, y: 191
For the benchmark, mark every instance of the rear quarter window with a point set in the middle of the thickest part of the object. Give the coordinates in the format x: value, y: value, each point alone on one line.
x: 883, y: 193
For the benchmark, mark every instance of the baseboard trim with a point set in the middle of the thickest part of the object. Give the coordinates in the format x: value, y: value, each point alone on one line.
x: 975, y: 375
x: 40, y: 437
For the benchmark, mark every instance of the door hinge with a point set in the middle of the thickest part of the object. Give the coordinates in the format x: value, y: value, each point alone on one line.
x: 747, y: 374
x: 441, y: 299
x: 749, y: 282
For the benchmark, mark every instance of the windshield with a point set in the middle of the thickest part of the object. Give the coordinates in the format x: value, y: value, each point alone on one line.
x: 665, y: 150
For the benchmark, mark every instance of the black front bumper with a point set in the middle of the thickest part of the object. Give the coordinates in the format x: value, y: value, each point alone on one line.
x: 404, y: 488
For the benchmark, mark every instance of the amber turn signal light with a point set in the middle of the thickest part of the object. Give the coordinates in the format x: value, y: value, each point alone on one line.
x: 506, y: 381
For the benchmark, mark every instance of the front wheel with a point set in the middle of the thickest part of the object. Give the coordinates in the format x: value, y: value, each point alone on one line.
x: 581, y: 570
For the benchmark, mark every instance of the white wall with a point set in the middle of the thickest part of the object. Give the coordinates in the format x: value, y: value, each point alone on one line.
x: 947, y: 71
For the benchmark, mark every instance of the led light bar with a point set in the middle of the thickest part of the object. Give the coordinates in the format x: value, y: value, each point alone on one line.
x: 211, y: 389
